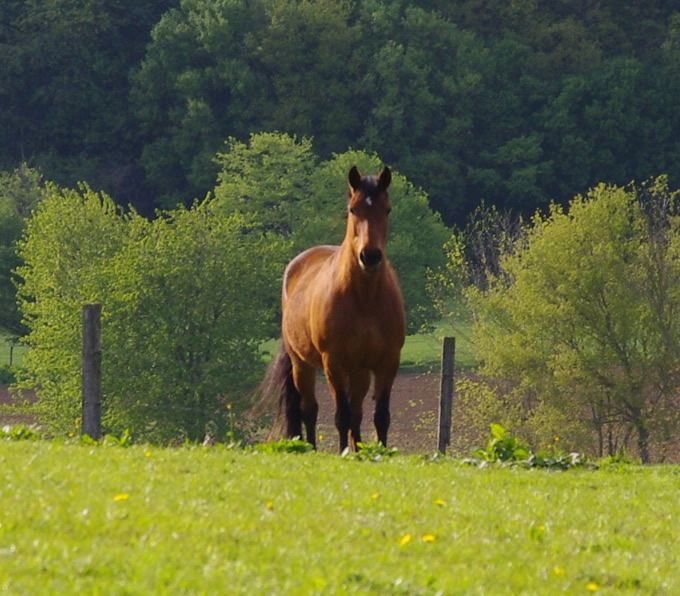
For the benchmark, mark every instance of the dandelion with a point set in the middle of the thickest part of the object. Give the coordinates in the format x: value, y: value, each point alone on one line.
x: 121, y: 497
x: 228, y: 406
x: 440, y: 502
x: 147, y: 454
x: 375, y: 495
x: 558, y: 571
x: 592, y: 587
x: 270, y: 505
x: 428, y: 538
x: 320, y: 437
x: 405, y: 539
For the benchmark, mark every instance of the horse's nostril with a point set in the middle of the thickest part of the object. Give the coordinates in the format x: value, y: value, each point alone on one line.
x: 371, y: 257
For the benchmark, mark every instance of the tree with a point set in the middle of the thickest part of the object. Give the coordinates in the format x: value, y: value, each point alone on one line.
x: 228, y: 69
x: 423, y: 84
x: 276, y: 184
x: 583, y: 314
x: 64, y: 88
x: 199, y: 312
x: 268, y: 181
x: 183, y: 312
x: 20, y: 192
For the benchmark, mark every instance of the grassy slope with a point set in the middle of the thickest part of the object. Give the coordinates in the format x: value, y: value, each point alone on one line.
x: 79, y: 519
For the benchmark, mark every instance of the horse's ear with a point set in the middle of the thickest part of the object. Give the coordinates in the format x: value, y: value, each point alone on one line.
x: 354, y: 178
x: 384, y: 178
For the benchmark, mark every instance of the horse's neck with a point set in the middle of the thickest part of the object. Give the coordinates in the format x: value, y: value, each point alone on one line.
x: 350, y: 277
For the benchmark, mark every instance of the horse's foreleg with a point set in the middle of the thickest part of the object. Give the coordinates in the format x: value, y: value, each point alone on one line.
x: 343, y: 412
x: 381, y: 417
x: 358, y: 386
x: 343, y: 420
x: 383, y: 390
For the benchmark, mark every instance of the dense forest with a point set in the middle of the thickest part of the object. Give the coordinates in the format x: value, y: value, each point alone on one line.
x: 514, y: 102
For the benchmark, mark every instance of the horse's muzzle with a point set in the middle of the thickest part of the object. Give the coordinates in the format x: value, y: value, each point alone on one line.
x: 370, y: 259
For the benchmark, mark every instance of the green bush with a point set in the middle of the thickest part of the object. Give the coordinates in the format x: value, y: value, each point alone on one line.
x: 580, y: 316
x: 185, y: 305
x: 7, y: 375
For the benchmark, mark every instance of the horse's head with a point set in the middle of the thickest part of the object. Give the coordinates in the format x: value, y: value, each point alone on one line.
x: 368, y: 210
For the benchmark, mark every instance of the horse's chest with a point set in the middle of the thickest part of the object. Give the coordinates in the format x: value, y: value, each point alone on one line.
x: 357, y: 334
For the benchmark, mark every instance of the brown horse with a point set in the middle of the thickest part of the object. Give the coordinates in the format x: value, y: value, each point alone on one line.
x: 342, y: 313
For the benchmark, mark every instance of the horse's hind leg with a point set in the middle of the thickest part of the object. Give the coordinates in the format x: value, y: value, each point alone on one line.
x: 291, y: 404
x: 304, y: 377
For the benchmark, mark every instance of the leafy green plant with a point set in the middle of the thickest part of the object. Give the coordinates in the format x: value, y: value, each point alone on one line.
x: 373, y: 451
x: 504, y: 448
x: 294, y: 445
x: 501, y: 447
x: 560, y: 461
x: 19, y: 432
x: 124, y: 440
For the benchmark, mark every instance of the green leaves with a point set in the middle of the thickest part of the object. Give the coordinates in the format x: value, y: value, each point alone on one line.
x: 294, y: 445
x: 186, y: 303
x: 506, y: 449
x: 501, y: 447
x: 579, y: 314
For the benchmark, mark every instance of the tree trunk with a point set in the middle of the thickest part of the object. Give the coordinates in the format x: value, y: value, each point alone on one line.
x: 643, y: 435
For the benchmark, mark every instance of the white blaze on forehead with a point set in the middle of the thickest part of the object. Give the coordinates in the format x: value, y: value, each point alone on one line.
x: 369, y: 200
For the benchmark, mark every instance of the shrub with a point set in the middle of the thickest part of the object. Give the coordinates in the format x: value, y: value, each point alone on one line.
x: 581, y: 314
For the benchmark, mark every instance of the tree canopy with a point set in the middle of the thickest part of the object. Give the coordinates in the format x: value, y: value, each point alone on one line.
x: 516, y: 103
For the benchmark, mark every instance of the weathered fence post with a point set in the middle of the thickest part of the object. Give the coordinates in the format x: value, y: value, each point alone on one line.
x: 91, y: 371
x: 446, y: 394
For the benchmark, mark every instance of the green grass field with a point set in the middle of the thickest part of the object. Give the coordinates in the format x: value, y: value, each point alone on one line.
x: 78, y: 519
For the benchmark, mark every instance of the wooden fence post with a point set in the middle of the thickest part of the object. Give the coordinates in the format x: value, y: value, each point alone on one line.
x: 91, y: 371
x: 446, y: 394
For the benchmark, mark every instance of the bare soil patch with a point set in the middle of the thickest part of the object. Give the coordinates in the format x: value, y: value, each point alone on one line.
x: 414, y: 408
x: 11, y: 418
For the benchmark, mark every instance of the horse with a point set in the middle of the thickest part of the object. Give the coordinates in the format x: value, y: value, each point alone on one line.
x: 343, y: 313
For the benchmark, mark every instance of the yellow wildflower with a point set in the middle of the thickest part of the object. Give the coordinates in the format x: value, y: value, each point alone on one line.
x: 405, y: 539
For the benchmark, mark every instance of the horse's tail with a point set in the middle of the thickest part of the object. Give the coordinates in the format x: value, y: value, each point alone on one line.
x: 277, y: 387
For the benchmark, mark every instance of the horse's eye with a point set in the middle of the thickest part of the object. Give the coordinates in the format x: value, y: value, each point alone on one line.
x: 351, y: 210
